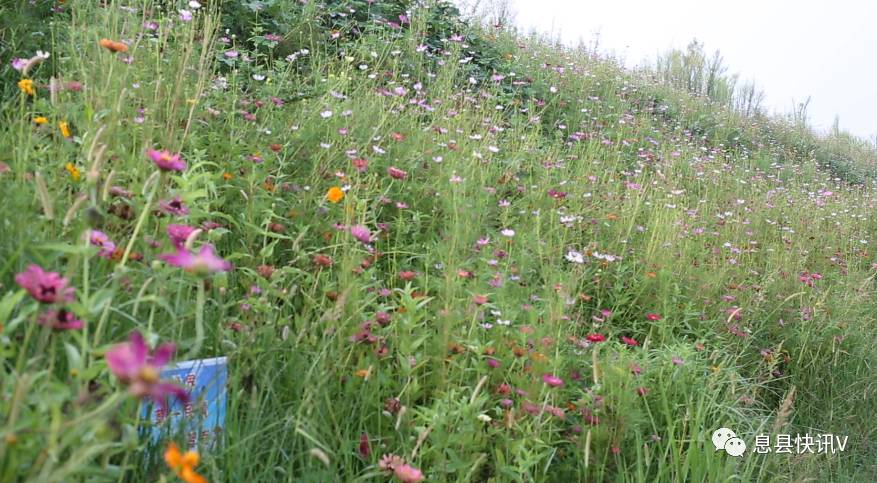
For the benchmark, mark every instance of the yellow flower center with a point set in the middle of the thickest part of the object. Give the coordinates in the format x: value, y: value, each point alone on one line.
x: 149, y: 374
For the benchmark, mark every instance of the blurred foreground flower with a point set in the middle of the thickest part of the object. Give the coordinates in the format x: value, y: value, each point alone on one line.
x: 183, y: 464
x: 132, y: 363
x: 204, y: 262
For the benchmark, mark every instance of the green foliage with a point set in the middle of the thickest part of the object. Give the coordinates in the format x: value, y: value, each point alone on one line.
x: 570, y: 271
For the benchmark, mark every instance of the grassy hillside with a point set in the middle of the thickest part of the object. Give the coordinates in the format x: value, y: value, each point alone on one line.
x: 428, y: 249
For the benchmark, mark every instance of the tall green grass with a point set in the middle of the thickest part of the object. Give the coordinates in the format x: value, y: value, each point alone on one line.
x: 679, y: 208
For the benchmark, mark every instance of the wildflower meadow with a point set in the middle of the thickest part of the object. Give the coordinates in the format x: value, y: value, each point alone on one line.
x: 425, y: 248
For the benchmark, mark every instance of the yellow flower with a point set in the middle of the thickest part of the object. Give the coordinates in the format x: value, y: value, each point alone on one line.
x: 363, y: 373
x: 335, y: 194
x: 183, y: 464
x: 26, y: 86
x: 65, y: 128
x: 73, y: 170
x: 40, y: 120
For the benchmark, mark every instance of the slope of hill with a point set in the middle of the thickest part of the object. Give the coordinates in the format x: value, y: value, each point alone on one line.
x: 429, y: 251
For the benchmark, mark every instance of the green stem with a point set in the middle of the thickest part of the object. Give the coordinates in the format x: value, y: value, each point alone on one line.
x: 139, y: 224
x: 199, y: 322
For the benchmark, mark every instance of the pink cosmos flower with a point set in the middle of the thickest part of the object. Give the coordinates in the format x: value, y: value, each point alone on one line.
x: 653, y: 317
x: 100, y: 239
x: 166, y: 161
x: 552, y: 380
x: 46, y: 287
x: 60, y: 320
x: 361, y: 233
x: 202, y: 263
x: 396, y: 173
x: 178, y: 234
x: 134, y: 366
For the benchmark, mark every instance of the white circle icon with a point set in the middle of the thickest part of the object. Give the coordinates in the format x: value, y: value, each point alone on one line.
x: 722, y: 435
x: 735, y: 447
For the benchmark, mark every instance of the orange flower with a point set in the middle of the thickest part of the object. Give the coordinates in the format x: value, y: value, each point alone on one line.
x: 227, y: 176
x: 40, y: 120
x: 73, y: 170
x: 113, y: 46
x: 65, y: 128
x: 27, y: 86
x: 183, y: 464
x: 335, y: 194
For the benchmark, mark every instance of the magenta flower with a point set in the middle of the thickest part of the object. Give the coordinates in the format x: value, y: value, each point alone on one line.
x: 408, y: 474
x: 361, y: 233
x: 360, y: 164
x: 60, y: 320
x: 47, y: 287
x: 552, y: 380
x: 166, y: 161
x: 203, y: 263
x: 396, y: 465
x: 174, y: 207
x: 397, y: 173
x: 132, y: 363
x: 179, y: 234
x: 101, y: 240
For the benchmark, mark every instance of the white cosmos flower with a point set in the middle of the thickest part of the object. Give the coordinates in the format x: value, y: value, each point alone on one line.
x: 575, y: 257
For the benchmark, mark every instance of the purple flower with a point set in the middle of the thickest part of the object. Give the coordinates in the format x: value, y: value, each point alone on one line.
x: 185, y: 15
x: 166, y: 161
x: 132, y: 363
x: 552, y: 380
x: 361, y: 233
x: 18, y: 64
x: 60, y: 320
x: 202, y: 263
x: 178, y: 234
x: 101, y: 240
x: 174, y: 207
x: 46, y: 287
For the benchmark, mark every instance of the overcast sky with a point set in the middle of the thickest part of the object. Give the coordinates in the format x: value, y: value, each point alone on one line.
x: 793, y: 49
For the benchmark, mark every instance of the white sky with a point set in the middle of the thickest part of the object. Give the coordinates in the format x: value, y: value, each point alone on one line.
x: 792, y: 49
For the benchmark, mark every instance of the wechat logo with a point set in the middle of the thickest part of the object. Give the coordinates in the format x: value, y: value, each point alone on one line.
x: 727, y: 440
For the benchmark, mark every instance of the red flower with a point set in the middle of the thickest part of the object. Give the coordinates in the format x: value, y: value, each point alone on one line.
x: 397, y: 173
x: 653, y: 316
x: 596, y: 337
x: 629, y: 341
x: 364, y: 448
x: 407, y: 275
